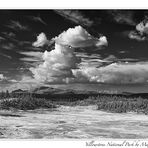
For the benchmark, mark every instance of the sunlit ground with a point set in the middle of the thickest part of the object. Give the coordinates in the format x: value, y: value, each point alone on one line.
x: 79, y: 122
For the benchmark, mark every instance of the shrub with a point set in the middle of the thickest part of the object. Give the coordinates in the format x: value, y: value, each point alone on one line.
x: 122, y: 104
x: 26, y: 103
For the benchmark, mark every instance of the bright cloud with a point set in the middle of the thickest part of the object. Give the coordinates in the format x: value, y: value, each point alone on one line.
x: 64, y: 65
x: 2, y: 77
x: 136, y: 36
x: 59, y: 63
x: 78, y: 37
x: 141, y: 32
x: 115, y: 73
x: 142, y: 27
x: 41, y: 40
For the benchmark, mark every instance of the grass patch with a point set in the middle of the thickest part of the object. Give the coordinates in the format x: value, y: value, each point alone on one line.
x: 26, y: 103
x: 110, y: 103
x: 122, y: 104
x: 116, y: 104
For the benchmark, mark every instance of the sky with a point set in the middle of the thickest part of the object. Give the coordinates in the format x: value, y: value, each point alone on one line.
x: 52, y: 47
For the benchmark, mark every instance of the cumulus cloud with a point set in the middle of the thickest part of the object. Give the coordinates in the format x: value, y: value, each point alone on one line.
x: 142, y: 27
x: 78, y: 37
x: 64, y: 65
x: 141, y: 32
x: 59, y: 63
x: 2, y: 77
x: 136, y: 36
x: 75, y: 37
x: 114, y: 73
x: 41, y: 40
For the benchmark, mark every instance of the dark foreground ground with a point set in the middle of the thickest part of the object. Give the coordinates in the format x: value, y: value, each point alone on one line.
x: 72, y: 122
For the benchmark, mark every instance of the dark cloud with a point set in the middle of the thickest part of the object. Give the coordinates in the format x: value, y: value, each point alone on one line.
x: 6, y: 55
x: 8, y: 46
x: 16, y: 25
x: 75, y: 16
x: 2, y: 38
x: 9, y: 34
x: 37, y: 19
x: 122, y: 16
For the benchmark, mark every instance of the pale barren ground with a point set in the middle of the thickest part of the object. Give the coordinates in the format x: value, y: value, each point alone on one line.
x: 80, y: 122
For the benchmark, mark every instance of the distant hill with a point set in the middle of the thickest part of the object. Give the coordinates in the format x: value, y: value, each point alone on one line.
x: 50, y: 90
x: 19, y: 91
x: 70, y: 94
x: 46, y: 90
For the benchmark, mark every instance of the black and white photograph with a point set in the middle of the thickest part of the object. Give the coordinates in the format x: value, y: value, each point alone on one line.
x: 73, y: 74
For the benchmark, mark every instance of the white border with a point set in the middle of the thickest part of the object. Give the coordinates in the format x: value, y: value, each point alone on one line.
x: 64, y: 4
x: 73, y: 4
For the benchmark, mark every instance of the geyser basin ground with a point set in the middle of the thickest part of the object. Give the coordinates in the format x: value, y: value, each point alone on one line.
x: 66, y: 122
